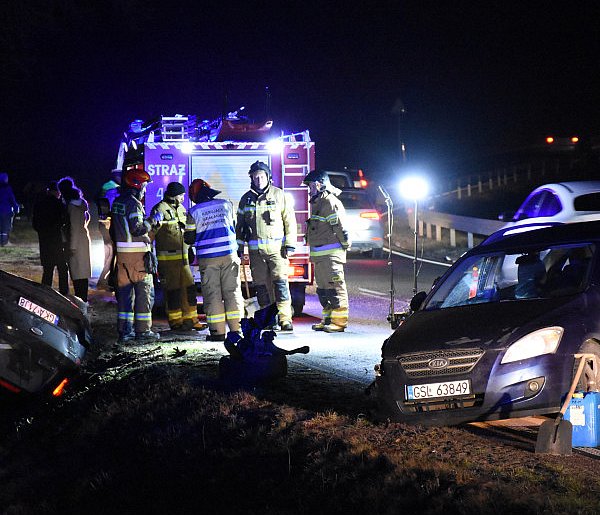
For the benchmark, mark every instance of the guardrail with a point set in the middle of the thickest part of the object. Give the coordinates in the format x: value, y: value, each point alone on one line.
x: 430, y: 222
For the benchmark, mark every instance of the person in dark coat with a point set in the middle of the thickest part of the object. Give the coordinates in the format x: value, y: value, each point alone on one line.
x: 49, y: 219
x: 8, y: 209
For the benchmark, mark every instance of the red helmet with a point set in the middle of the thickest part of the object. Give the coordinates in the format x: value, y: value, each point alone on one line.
x: 201, y: 189
x: 135, y: 176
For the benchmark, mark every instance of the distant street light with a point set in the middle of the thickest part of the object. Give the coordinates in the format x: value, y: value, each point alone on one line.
x: 415, y: 189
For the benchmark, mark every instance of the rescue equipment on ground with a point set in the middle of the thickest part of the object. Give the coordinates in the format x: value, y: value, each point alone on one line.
x: 253, y: 357
x: 584, y: 414
x: 556, y: 436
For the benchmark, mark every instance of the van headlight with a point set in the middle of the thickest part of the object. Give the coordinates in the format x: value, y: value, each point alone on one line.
x: 542, y: 341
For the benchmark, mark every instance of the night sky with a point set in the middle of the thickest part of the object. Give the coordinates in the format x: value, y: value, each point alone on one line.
x: 473, y: 76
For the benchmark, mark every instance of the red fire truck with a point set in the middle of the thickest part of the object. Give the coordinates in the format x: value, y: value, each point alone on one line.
x: 178, y: 148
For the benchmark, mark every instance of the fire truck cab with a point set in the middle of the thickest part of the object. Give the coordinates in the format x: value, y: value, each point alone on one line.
x: 178, y: 148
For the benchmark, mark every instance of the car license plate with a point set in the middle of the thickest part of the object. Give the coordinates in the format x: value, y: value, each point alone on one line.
x: 432, y: 390
x: 43, y: 313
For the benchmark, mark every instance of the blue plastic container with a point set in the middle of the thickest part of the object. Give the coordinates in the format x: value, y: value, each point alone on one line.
x: 584, y: 414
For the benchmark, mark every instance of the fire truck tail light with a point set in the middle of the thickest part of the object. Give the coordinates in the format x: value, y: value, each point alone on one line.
x: 296, y: 271
x: 371, y: 215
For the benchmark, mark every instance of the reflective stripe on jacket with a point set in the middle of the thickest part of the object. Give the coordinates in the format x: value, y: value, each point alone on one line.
x: 326, y: 233
x: 129, y: 227
x: 169, y: 236
x: 215, y: 228
x: 266, y: 221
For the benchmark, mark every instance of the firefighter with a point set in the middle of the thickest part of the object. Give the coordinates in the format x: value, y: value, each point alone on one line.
x: 173, y: 264
x: 328, y: 239
x: 266, y: 220
x: 216, y: 254
x: 131, y: 232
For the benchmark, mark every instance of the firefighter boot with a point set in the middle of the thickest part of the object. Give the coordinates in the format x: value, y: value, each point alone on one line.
x: 339, y: 320
x: 147, y: 336
x: 320, y: 326
x: 333, y: 328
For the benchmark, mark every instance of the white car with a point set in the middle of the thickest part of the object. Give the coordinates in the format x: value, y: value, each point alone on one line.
x: 364, y: 222
x: 563, y: 202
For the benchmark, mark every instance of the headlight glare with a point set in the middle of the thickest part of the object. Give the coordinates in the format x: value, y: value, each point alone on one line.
x: 542, y: 341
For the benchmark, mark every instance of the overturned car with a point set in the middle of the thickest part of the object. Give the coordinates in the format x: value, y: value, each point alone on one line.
x: 43, y: 337
x: 497, y: 334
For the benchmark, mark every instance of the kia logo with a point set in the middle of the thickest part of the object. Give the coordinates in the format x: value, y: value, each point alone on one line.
x: 438, y: 363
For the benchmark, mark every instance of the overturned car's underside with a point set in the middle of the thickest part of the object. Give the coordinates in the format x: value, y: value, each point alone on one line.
x: 43, y: 336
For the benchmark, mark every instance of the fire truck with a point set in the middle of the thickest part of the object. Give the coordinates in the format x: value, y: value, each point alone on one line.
x: 181, y: 148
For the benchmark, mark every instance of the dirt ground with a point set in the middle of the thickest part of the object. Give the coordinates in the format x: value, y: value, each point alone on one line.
x: 152, y: 428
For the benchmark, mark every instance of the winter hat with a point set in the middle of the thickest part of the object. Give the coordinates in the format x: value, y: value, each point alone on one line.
x: 174, y: 189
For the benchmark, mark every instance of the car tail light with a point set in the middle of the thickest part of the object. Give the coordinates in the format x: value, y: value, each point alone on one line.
x: 363, y: 183
x: 574, y: 139
x: 10, y: 387
x: 549, y: 140
x: 371, y: 215
x: 296, y: 271
x: 59, y: 390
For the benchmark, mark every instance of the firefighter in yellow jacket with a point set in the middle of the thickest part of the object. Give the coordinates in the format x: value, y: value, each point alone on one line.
x: 131, y: 233
x: 173, y: 264
x: 266, y: 220
x: 328, y: 239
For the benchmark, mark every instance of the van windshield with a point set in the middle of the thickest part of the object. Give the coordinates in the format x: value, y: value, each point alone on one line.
x: 551, y: 272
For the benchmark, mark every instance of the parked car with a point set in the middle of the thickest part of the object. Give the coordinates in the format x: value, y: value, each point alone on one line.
x: 563, y: 202
x: 364, y: 222
x: 43, y: 337
x: 347, y: 178
x: 496, y: 336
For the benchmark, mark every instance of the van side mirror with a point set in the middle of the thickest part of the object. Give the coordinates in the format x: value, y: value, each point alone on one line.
x: 417, y: 300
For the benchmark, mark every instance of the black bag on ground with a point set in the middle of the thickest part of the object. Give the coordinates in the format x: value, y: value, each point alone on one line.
x: 150, y: 262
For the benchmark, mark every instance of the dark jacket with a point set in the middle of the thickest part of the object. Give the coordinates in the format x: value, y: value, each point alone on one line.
x: 51, y: 223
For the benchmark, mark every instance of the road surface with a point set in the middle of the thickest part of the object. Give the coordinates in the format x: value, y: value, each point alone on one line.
x: 354, y: 353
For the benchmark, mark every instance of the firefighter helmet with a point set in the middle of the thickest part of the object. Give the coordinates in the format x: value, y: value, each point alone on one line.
x: 259, y: 166
x: 134, y: 176
x: 200, y: 191
x: 316, y: 176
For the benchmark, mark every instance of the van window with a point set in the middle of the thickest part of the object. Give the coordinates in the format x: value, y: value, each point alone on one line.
x: 355, y: 200
x: 587, y: 202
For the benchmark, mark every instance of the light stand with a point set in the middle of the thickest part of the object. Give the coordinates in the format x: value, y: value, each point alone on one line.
x: 414, y: 188
x: 415, y: 270
x: 390, y: 225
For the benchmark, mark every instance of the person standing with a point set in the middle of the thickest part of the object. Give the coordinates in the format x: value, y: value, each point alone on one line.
x: 173, y: 262
x: 131, y: 232
x: 108, y: 193
x: 79, y: 245
x: 328, y: 239
x: 216, y: 253
x: 8, y: 209
x: 266, y: 220
x: 49, y: 220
